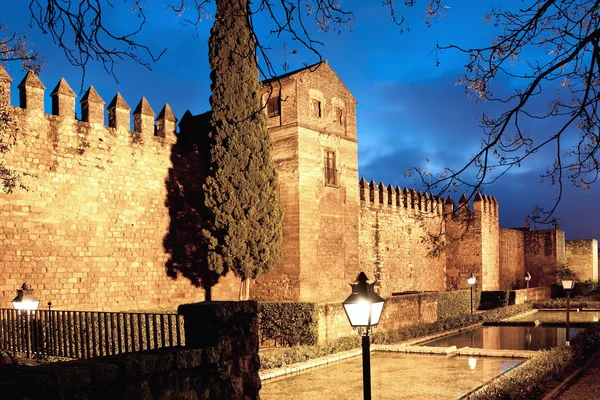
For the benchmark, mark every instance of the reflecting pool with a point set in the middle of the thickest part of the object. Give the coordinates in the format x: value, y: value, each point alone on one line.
x: 560, y: 316
x: 393, y: 376
x: 507, y: 338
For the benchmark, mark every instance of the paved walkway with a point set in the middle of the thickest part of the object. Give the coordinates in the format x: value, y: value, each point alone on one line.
x: 587, y: 386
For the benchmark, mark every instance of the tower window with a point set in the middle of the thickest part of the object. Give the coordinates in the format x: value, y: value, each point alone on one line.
x: 339, y: 116
x: 331, y: 178
x: 273, y: 107
x: 316, y: 108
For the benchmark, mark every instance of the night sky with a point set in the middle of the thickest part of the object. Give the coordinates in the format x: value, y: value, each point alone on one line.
x: 409, y: 109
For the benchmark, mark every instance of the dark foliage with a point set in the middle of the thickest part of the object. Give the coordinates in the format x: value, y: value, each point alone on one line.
x: 245, y: 230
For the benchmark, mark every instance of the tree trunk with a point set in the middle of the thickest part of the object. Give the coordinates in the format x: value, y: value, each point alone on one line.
x: 244, y: 289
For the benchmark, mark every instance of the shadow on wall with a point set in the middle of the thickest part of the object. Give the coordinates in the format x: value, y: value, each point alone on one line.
x: 185, y: 201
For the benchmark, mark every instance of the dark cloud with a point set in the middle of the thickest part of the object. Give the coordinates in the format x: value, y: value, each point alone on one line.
x: 415, y: 121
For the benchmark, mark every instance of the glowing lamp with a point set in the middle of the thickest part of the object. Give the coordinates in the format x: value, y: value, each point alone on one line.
x: 363, y: 307
x: 567, y: 283
x: 471, y: 280
x: 25, y: 299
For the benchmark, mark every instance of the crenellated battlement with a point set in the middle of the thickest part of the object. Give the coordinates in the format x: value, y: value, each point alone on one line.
x: 402, y: 199
x: 418, y: 201
x: 145, y: 126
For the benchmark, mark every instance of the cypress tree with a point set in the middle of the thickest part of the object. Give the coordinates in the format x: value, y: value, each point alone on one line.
x: 245, y: 230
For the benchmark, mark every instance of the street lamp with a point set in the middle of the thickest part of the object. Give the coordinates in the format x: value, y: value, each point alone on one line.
x: 471, y: 280
x: 363, y: 308
x: 568, y: 283
x: 527, y: 278
x: 25, y: 299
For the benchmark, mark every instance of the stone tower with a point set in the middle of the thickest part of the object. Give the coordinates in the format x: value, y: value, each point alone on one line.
x: 311, y: 116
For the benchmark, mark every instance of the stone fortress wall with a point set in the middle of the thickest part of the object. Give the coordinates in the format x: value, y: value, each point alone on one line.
x: 92, y: 230
x: 88, y: 233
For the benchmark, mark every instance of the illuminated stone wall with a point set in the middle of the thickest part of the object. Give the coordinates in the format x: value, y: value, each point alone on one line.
x: 582, y: 258
x: 393, y: 250
x: 321, y: 220
x: 473, y: 243
x: 88, y: 233
x: 100, y: 226
x: 512, y: 259
x: 544, y: 251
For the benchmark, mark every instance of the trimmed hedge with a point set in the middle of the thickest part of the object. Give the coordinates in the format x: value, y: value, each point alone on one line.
x: 497, y: 298
x: 457, y: 303
x: 288, y: 323
x: 577, y: 302
x: 542, y: 373
x: 279, y: 357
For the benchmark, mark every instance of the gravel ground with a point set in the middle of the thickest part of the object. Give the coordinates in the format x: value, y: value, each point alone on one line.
x: 587, y: 386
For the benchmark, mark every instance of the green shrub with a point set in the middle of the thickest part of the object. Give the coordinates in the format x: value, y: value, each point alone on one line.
x: 577, y: 302
x: 496, y: 298
x: 457, y: 303
x: 279, y: 357
x: 289, y: 323
x: 541, y: 373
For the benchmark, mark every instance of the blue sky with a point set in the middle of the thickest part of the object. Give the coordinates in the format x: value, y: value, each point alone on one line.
x: 409, y: 109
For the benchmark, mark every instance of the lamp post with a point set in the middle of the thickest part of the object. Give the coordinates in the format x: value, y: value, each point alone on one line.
x: 568, y: 283
x: 363, y: 308
x: 26, y: 301
x: 471, y: 280
x: 527, y: 279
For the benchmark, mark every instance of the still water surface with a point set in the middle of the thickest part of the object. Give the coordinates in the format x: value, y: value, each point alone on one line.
x: 561, y: 316
x: 394, y: 376
x: 507, y: 338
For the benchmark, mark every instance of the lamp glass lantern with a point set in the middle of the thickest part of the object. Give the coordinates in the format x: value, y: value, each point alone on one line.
x: 471, y: 279
x: 363, y: 307
x: 527, y: 276
x: 25, y: 299
x: 567, y: 283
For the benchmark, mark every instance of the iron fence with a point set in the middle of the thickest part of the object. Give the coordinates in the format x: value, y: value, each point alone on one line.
x: 86, y: 334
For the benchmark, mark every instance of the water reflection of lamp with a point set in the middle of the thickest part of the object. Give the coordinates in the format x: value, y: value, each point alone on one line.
x: 363, y: 308
x: 471, y: 281
x: 472, y: 362
x: 568, y: 283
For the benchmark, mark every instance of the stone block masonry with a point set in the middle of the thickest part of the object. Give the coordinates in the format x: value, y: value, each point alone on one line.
x: 112, y: 217
x: 222, y: 363
x: 88, y: 233
x: 398, y: 312
x: 393, y: 225
x: 582, y: 258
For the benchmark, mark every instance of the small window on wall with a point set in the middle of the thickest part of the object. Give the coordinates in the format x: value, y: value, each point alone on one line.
x: 339, y: 116
x: 273, y: 107
x: 331, y: 178
x: 315, y: 106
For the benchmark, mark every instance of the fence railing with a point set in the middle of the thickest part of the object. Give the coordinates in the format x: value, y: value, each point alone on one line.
x: 86, y: 334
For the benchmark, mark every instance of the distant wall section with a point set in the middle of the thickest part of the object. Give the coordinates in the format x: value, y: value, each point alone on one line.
x: 512, y: 259
x: 394, y: 239
x: 582, y: 258
x: 544, y: 251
